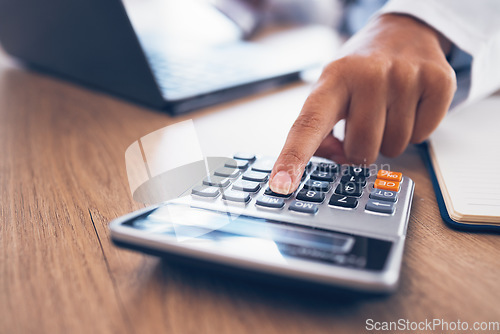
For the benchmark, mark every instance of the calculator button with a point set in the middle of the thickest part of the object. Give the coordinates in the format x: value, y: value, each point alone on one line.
x: 317, y: 185
x: 309, y: 166
x: 384, y: 195
x: 311, y: 196
x: 328, y: 167
x: 349, y: 189
x: 236, y: 196
x: 361, y: 180
x: 390, y: 176
x: 216, y: 181
x: 303, y: 207
x: 264, y: 165
x: 343, y: 201
x: 228, y: 172
x: 380, y: 206
x: 244, y: 156
x: 357, y: 171
x: 240, y: 164
x: 247, y: 186
x: 203, y: 191
x: 386, y: 185
x: 255, y: 176
x: 269, y: 192
x: 322, y: 176
x: 270, y: 202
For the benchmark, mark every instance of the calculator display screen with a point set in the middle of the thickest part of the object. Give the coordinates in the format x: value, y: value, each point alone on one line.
x: 262, y: 239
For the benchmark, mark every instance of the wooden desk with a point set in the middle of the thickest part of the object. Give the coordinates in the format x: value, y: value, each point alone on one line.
x: 63, y: 178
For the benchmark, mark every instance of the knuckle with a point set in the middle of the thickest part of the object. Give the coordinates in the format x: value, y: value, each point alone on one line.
x: 359, y: 68
x: 441, y: 77
x: 403, y: 75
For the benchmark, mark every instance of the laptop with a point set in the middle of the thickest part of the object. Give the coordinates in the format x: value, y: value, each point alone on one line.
x: 95, y: 43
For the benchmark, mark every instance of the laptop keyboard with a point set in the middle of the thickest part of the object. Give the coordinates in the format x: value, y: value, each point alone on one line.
x: 207, y: 70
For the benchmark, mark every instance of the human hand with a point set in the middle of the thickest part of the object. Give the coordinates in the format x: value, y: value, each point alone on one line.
x: 391, y: 83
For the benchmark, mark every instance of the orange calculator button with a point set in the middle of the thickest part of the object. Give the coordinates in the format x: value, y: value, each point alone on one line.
x: 386, y: 185
x: 391, y: 176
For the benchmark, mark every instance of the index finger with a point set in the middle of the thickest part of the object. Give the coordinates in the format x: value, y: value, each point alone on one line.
x: 324, y: 107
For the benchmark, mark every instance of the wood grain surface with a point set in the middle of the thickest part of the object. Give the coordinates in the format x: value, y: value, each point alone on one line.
x: 63, y: 179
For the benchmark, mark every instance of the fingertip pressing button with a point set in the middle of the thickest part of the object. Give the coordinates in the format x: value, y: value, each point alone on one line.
x: 269, y: 192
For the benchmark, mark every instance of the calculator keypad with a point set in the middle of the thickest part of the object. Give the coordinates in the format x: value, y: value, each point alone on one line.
x: 247, y: 186
x: 343, y: 201
x: 270, y: 202
x: 216, y: 181
x: 269, y: 192
x: 303, y: 207
x: 320, y: 175
x: 324, y: 186
x: 311, y: 196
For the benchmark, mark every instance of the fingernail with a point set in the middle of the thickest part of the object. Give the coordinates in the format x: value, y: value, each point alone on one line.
x: 281, y: 183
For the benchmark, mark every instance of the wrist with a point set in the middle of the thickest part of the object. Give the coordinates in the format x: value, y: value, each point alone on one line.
x: 405, y: 19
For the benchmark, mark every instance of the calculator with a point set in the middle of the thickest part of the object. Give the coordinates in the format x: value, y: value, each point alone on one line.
x: 343, y: 227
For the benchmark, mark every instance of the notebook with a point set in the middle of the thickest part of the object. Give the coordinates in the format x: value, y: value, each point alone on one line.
x: 464, y: 160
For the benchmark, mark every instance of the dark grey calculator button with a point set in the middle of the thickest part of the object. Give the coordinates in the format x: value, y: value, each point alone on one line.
x: 304, y: 207
x: 228, y: 172
x: 236, y: 196
x: 361, y: 180
x: 322, y: 176
x: 240, y: 164
x: 317, y: 185
x: 255, y: 176
x: 380, y: 206
x: 205, y: 191
x: 216, y: 181
x: 328, y: 167
x: 384, y: 195
x: 247, y: 186
x: 349, y: 189
x: 264, y: 165
x: 357, y: 171
x: 311, y: 196
x: 270, y: 202
x: 269, y: 192
x: 244, y: 156
x: 343, y: 201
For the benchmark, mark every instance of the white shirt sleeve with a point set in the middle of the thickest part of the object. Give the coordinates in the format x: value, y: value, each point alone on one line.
x: 473, y: 26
